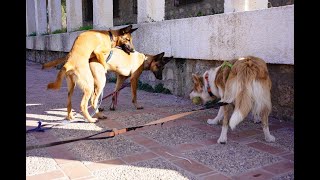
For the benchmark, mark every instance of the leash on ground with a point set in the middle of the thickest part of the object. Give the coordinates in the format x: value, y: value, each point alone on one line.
x: 41, y: 127
x: 113, y: 132
x: 114, y: 92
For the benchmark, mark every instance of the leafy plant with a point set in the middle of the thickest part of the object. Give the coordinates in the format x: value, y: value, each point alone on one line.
x: 160, y: 89
x: 85, y: 28
x: 33, y: 34
x: 200, y: 14
x: 145, y: 87
x: 63, y: 30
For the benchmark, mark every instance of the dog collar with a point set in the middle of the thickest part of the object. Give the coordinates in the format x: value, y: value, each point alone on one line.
x: 110, y: 54
x: 111, y: 36
x: 208, y: 86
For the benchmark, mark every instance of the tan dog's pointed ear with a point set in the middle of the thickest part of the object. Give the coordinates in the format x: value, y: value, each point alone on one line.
x: 125, y: 29
x: 132, y: 30
x: 168, y: 59
x: 159, y: 57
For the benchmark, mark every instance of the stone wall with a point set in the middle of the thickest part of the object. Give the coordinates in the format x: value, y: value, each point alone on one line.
x: 126, y: 15
x: 43, y: 56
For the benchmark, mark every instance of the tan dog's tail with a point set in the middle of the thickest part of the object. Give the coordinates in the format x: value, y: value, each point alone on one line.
x: 57, y: 84
x: 54, y: 63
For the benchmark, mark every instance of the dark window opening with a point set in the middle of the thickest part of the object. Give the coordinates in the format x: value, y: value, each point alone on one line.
x: 184, y: 2
x: 135, y: 7
x: 87, y: 11
x: 116, y: 10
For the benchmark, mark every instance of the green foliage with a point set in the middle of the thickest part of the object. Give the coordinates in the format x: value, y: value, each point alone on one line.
x: 63, y: 30
x: 33, y: 34
x: 145, y: 87
x: 200, y: 14
x: 160, y: 89
x: 85, y: 28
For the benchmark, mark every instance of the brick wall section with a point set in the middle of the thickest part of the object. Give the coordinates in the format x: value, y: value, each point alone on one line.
x: 126, y: 15
x: 204, y: 7
x: 177, y: 78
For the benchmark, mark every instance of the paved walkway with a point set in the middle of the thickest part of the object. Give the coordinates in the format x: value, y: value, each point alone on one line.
x: 182, y: 149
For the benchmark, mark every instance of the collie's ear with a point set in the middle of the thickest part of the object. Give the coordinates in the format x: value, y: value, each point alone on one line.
x: 195, y: 77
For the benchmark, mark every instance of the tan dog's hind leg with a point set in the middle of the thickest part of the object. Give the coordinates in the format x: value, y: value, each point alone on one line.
x: 84, y: 105
x: 86, y: 84
x: 99, y: 77
x: 57, y: 84
x: 120, y: 80
x: 134, y: 86
x: 71, y: 85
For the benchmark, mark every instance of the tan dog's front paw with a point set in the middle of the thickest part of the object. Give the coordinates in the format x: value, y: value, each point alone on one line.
x: 70, y: 116
x: 52, y: 86
x: 93, y: 120
x: 100, y: 115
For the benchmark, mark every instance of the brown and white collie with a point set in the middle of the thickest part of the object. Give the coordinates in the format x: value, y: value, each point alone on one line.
x: 245, y: 85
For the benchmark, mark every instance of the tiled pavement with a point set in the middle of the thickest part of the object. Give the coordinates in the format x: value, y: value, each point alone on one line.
x: 182, y: 149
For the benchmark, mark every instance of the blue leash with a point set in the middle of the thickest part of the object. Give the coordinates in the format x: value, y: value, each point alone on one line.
x: 39, y: 128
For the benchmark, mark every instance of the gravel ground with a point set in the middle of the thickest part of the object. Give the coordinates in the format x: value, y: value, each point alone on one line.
x: 284, y: 138
x: 99, y: 150
x: 232, y: 158
x: 156, y: 169
x: 177, y: 135
x: 288, y: 176
x: 38, y: 156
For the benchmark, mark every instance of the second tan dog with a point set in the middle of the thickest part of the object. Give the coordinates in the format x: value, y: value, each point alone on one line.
x: 126, y: 66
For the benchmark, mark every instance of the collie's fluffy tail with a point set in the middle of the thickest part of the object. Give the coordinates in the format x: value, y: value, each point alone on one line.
x: 248, y: 89
x: 53, y: 63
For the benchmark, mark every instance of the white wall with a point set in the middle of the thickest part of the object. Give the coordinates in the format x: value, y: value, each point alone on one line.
x: 266, y: 33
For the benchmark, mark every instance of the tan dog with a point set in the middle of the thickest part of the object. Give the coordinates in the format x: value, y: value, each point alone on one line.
x: 94, y: 42
x: 244, y: 84
x: 76, y: 69
x: 132, y: 66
